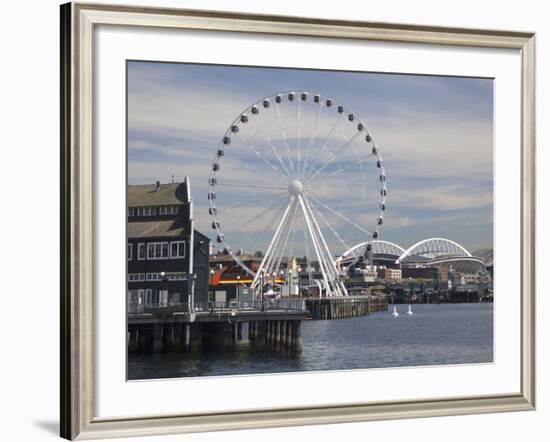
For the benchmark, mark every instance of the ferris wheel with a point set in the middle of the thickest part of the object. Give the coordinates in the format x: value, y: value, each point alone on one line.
x: 296, y: 178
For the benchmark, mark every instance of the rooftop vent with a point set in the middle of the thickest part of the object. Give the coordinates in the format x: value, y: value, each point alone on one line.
x: 157, y: 186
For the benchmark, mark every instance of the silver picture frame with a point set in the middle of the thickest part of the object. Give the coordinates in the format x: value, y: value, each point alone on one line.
x: 78, y: 21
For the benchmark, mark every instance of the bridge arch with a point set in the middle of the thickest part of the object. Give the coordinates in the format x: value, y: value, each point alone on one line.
x: 434, y: 248
x: 379, y: 247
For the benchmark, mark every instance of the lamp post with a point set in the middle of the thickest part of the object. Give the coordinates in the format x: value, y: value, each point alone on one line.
x: 262, y: 288
x: 237, y: 288
x: 194, y: 282
x: 164, y: 279
x: 272, y: 294
x: 211, y: 290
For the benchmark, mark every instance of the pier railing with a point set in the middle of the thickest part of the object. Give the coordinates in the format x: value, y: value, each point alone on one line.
x: 217, y: 307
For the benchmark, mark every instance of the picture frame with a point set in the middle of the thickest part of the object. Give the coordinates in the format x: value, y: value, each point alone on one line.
x: 78, y: 203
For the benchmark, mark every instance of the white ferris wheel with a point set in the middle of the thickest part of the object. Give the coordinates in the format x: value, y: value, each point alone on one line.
x: 296, y: 175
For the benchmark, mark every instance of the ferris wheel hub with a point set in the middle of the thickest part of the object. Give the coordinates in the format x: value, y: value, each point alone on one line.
x: 296, y: 188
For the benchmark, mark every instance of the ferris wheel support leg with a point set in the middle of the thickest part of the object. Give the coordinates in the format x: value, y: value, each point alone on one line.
x: 316, y: 245
x: 286, y: 236
x: 335, y: 282
x: 276, y: 251
x: 268, y: 253
x: 272, y: 264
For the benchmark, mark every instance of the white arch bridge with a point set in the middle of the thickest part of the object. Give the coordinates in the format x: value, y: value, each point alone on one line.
x: 381, y: 249
x: 438, y: 252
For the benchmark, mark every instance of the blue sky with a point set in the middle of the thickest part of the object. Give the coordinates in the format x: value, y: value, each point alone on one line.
x: 435, y: 135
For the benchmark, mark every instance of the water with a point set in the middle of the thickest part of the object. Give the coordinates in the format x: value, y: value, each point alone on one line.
x: 436, y: 334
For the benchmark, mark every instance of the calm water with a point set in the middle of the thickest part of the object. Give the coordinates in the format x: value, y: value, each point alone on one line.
x: 436, y: 334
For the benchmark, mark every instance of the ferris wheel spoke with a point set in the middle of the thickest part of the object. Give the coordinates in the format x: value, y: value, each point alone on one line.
x: 333, y: 156
x: 344, y: 145
x: 265, y: 160
x: 264, y: 173
x: 345, y: 218
x: 317, y: 188
x: 298, y: 135
x: 339, y: 198
x: 330, y: 135
x: 283, y: 132
x: 241, y: 205
x: 259, y: 215
x: 311, y: 138
x: 334, y: 232
x: 266, y: 228
x: 251, y: 186
x: 270, y: 144
x: 362, y: 171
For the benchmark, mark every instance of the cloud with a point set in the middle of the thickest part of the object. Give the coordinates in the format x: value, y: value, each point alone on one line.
x: 435, y: 135
x: 446, y: 197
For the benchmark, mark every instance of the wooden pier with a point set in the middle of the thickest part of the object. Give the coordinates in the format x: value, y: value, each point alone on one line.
x: 175, y: 328
x: 219, y: 325
x: 345, y: 306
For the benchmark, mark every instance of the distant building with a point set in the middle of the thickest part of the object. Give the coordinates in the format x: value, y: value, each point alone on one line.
x: 419, y: 272
x: 443, y: 274
x: 361, y: 278
x: 228, y: 280
x: 393, y: 274
x: 225, y: 266
x: 167, y: 258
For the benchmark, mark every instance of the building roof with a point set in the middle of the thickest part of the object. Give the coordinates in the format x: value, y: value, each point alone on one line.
x: 145, y: 195
x: 228, y: 258
x: 143, y: 229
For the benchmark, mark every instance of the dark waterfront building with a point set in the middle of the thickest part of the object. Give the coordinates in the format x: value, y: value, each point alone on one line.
x: 420, y: 272
x: 167, y: 258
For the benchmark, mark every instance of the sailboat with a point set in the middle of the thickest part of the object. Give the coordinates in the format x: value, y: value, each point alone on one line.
x: 409, y: 311
x: 395, y: 314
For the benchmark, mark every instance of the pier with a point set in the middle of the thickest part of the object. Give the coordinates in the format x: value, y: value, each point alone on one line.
x: 345, y: 307
x: 215, y: 325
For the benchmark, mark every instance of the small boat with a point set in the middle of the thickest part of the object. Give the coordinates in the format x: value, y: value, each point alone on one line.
x: 395, y: 314
x: 409, y: 311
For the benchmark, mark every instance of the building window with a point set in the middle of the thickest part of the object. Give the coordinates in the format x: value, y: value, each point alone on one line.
x: 148, y: 296
x: 173, y: 210
x: 157, y: 250
x: 146, y: 211
x: 136, y: 277
x: 141, y: 251
x: 176, y: 276
x: 169, y: 276
x: 131, y: 211
x: 177, y: 249
x: 129, y: 251
x: 163, y: 210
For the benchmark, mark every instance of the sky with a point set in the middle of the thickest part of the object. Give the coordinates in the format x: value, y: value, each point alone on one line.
x: 435, y: 135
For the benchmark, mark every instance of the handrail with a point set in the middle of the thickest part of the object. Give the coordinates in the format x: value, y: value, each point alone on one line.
x: 220, y: 306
